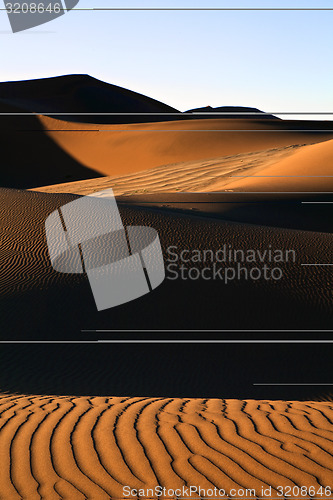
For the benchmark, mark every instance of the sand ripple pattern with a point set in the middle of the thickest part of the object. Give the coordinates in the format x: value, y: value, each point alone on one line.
x: 24, y: 257
x: 190, y: 176
x: 55, y: 447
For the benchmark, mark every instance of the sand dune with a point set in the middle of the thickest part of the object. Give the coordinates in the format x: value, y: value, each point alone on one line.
x: 123, y: 149
x: 239, y: 112
x: 81, y: 94
x: 91, y: 447
x: 137, y: 133
x: 65, y: 304
x: 309, y: 169
x: 192, y: 176
x: 290, y: 168
x: 284, y: 187
x: 30, y: 157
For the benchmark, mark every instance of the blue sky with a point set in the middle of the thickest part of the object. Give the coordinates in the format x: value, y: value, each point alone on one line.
x: 272, y: 60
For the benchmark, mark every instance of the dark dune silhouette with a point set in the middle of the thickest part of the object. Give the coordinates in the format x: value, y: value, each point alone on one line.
x: 83, y: 94
x: 234, y: 112
x: 41, y: 150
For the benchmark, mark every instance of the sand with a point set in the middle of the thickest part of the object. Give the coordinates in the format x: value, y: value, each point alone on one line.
x: 286, y: 169
x: 124, y: 149
x: 181, y: 414
x: 65, y: 304
x: 136, y: 133
x: 91, y: 447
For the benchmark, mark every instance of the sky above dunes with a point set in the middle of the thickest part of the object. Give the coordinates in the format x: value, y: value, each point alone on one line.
x: 277, y: 61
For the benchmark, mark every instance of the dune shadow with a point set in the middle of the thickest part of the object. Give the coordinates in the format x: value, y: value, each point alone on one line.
x: 30, y: 158
x: 167, y: 370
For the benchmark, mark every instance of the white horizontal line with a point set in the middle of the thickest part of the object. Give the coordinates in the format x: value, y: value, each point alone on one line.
x: 317, y: 202
x: 292, y: 384
x: 306, y: 176
x: 316, y: 264
x: 198, y: 193
x: 207, y: 8
x: 209, y: 130
x: 194, y: 9
x: 48, y: 341
x: 140, y: 341
x: 258, y: 113
x: 199, y: 331
x: 171, y: 113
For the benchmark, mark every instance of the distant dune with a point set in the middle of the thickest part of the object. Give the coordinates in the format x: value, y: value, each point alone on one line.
x: 239, y: 112
x: 85, y: 94
x: 81, y: 94
x: 57, y: 447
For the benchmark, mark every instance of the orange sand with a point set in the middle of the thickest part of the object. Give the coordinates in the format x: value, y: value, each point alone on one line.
x: 91, y: 447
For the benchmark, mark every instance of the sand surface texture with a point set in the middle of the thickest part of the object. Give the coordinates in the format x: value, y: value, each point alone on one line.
x: 286, y: 169
x: 68, y: 447
x: 39, y: 302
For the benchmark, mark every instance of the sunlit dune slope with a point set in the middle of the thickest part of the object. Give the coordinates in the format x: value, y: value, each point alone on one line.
x: 290, y: 168
x: 99, y: 129
x: 309, y: 169
x: 122, y: 149
x: 91, y: 447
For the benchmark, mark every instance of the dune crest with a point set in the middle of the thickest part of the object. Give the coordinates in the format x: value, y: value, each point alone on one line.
x: 124, y: 149
x: 310, y: 169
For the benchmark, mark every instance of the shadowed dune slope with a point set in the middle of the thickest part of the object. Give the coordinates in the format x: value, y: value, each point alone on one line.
x: 301, y: 299
x: 138, y: 133
x: 91, y: 447
x: 31, y: 158
x: 123, y: 149
x: 210, y: 370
